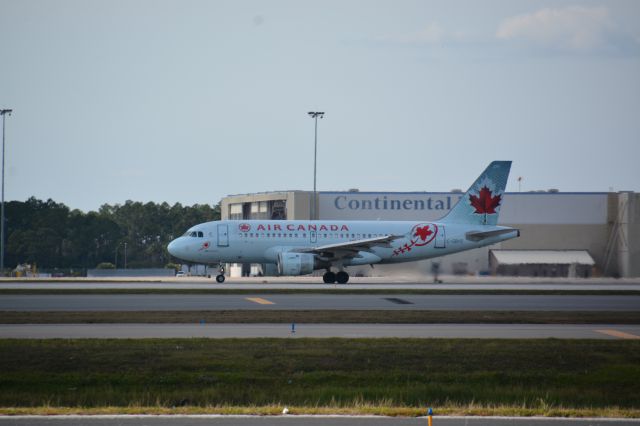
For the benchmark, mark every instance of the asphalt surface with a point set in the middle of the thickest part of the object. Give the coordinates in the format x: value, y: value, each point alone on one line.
x: 186, y: 302
x: 476, y: 331
x: 315, y: 283
x: 303, y: 421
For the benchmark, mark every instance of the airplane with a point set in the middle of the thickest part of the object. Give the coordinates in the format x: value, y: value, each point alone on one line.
x: 299, y: 247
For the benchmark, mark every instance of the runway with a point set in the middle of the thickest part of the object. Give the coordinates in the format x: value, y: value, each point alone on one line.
x: 222, y: 331
x: 196, y: 420
x: 182, y: 302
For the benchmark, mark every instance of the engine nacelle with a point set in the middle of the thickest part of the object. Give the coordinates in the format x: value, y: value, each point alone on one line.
x: 291, y: 263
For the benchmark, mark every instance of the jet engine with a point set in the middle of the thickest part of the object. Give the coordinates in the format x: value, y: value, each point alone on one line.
x: 290, y: 263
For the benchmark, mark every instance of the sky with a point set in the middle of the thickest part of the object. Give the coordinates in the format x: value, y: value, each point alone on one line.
x: 189, y: 101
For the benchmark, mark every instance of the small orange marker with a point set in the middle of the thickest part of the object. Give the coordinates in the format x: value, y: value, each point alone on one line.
x: 430, y: 413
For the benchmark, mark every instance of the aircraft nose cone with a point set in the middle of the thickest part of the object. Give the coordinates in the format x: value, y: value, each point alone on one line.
x: 172, y: 248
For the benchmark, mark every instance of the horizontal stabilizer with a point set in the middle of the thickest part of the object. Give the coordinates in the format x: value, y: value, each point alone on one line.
x: 483, y: 235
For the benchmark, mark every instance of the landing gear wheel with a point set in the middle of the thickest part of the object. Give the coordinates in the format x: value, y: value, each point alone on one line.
x: 220, y: 278
x: 329, y: 277
x: 342, y: 277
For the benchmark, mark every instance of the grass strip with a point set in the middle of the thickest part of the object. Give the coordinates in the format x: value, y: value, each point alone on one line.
x: 322, y: 317
x: 320, y: 290
x: 474, y: 376
x: 357, y: 409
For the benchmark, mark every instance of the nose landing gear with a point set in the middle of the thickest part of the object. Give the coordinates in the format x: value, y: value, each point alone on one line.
x: 220, y: 276
x: 342, y: 277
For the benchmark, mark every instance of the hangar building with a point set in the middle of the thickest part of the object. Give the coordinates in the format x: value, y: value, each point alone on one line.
x: 603, y: 226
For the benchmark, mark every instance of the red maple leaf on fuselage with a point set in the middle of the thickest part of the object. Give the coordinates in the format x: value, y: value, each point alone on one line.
x: 423, y: 232
x: 485, y: 203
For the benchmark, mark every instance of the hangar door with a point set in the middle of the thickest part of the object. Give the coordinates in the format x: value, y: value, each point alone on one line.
x: 223, y: 235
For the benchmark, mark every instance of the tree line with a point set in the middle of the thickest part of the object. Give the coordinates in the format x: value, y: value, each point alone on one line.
x: 53, y: 236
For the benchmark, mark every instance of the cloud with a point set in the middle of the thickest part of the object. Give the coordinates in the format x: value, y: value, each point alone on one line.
x: 574, y: 28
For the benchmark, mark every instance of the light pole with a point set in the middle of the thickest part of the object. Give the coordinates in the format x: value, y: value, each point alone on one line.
x: 315, y: 115
x: 125, y: 255
x: 3, y: 112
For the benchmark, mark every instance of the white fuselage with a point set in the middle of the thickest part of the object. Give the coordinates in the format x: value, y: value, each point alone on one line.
x: 260, y: 241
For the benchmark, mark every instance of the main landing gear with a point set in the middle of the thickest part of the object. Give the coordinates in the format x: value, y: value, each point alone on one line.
x: 220, y: 276
x: 341, y: 277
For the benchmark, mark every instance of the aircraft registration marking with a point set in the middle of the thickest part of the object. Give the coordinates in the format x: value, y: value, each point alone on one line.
x: 260, y: 301
x: 617, y: 333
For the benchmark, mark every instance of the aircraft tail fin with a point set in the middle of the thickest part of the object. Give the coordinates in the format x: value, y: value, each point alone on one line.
x: 480, y: 205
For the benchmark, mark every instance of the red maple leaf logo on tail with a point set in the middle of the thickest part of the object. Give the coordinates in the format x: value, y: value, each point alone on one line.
x: 423, y: 232
x: 484, y: 202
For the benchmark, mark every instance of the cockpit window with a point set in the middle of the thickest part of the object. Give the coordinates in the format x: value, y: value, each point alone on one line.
x: 196, y: 234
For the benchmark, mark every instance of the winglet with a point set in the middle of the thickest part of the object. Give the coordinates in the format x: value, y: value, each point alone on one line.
x: 480, y: 205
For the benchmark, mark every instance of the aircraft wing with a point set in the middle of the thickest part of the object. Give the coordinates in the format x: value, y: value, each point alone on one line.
x: 350, y: 248
x: 481, y: 235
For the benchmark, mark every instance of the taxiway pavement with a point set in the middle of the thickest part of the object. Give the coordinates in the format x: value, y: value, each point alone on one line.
x: 220, y: 331
x: 186, y: 302
x: 315, y: 283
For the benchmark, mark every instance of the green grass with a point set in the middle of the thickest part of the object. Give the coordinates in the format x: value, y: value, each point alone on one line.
x: 521, y: 376
x: 358, y: 408
x: 323, y: 316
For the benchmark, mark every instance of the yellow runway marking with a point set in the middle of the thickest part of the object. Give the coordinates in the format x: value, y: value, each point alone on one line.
x: 620, y: 334
x: 260, y: 300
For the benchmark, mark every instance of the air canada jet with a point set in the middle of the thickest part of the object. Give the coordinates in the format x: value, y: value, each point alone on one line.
x: 298, y: 247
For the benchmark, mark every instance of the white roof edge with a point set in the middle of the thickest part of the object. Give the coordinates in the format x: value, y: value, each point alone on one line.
x: 564, y: 257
